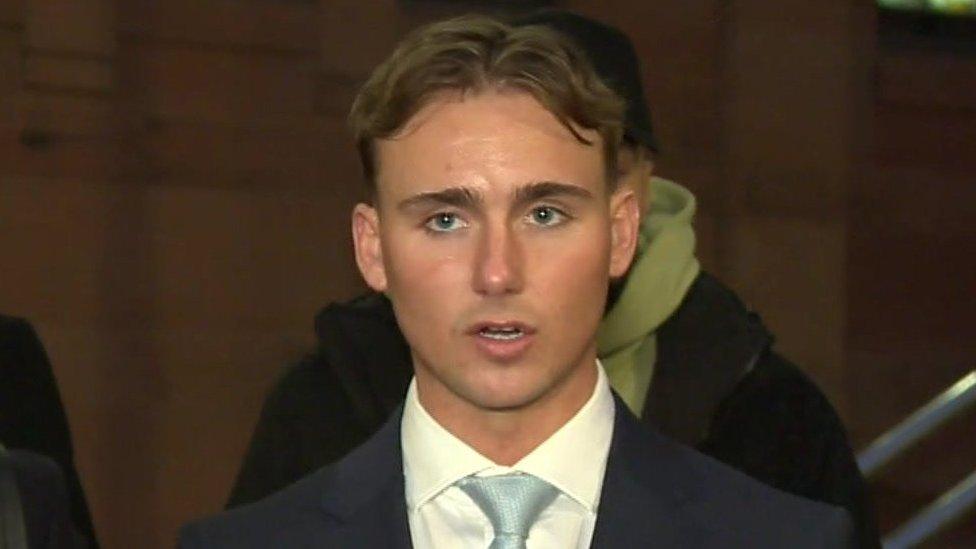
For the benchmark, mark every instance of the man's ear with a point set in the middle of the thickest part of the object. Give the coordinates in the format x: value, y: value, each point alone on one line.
x: 624, y: 227
x: 367, y: 245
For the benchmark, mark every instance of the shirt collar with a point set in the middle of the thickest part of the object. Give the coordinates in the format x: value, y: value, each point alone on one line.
x: 433, y: 458
x: 573, y: 459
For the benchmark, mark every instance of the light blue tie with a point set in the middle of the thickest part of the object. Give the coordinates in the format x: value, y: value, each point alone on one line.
x: 511, y: 502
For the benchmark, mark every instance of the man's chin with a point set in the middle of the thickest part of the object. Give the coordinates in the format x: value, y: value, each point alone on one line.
x: 504, y: 395
x: 503, y: 403
x: 491, y: 387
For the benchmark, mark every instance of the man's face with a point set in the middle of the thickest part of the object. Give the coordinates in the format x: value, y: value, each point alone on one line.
x: 494, y: 235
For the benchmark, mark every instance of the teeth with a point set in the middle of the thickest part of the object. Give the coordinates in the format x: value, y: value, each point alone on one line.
x: 502, y: 334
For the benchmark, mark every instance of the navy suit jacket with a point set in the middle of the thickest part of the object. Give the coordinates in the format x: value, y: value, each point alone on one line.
x: 656, y: 493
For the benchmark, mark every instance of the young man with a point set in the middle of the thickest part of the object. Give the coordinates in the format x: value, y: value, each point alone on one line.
x: 678, y: 347
x: 495, y: 228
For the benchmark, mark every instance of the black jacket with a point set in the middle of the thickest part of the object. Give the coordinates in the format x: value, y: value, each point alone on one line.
x: 656, y: 493
x: 31, y: 414
x: 717, y: 386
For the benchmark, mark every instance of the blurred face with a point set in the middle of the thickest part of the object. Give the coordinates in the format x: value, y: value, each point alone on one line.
x: 634, y: 168
x: 494, y: 235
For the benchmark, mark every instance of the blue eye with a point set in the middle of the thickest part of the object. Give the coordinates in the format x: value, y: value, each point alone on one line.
x: 444, y: 222
x: 546, y: 216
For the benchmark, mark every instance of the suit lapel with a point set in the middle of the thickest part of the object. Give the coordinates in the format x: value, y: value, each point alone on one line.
x: 641, y: 504
x: 379, y: 524
x: 365, y: 498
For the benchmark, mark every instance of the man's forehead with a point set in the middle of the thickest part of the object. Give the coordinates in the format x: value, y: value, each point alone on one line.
x: 476, y: 115
x: 469, y: 140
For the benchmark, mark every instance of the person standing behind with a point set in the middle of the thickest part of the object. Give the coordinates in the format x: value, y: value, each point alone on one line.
x: 32, y: 416
x: 34, y: 510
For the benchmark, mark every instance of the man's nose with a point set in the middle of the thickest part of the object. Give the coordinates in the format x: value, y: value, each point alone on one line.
x: 499, y: 264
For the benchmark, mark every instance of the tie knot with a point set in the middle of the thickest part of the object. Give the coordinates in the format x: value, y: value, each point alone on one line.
x: 512, y: 504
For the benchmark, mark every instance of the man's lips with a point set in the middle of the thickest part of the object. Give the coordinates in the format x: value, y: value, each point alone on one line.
x: 502, y: 340
x: 498, y: 326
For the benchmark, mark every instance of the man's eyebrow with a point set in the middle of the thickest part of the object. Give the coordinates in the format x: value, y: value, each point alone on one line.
x: 460, y: 197
x: 465, y: 197
x: 546, y: 189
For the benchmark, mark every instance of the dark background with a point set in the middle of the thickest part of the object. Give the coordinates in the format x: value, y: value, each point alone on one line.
x: 176, y: 179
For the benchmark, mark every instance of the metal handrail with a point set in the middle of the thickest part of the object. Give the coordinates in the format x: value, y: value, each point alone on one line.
x: 893, y: 443
x: 944, y: 510
x: 951, y: 505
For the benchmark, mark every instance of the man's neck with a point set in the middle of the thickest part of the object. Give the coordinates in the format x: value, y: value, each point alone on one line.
x: 506, y: 436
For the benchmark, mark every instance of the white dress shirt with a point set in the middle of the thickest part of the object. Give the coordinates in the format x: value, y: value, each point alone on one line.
x: 573, y: 459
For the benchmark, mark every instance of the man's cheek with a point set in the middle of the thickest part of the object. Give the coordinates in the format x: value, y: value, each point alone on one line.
x: 431, y: 276
x: 575, y: 266
x: 410, y: 262
x: 579, y: 290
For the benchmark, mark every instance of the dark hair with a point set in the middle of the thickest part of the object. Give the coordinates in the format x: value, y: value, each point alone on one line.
x: 614, y: 60
x: 475, y: 54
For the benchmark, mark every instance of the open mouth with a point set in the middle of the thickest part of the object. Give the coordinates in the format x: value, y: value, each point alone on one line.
x: 503, y: 340
x: 501, y: 330
x: 501, y: 333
